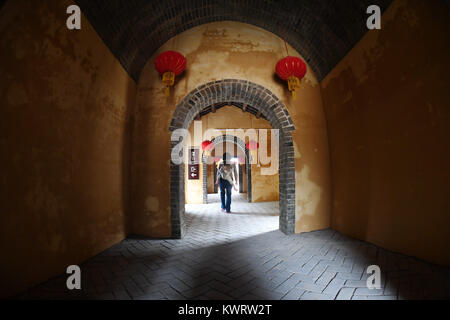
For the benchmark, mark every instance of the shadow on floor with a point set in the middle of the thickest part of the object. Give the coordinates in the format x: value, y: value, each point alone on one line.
x: 316, y: 265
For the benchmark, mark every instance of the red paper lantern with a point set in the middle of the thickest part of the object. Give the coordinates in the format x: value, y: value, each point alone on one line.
x: 292, y: 69
x: 207, y: 145
x: 252, y: 145
x: 170, y: 64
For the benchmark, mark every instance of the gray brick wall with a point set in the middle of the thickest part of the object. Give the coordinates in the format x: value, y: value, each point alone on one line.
x: 240, y: 92
x: 323, y: 31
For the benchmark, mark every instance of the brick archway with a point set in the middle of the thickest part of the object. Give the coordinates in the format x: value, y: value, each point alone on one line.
x: 271, y: 107
x: 248, y: 158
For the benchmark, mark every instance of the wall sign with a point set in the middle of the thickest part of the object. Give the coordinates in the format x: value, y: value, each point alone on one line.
x: 194, y: 164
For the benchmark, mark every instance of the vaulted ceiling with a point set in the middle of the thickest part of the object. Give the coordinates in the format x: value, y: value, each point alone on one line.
x: 323, y: 31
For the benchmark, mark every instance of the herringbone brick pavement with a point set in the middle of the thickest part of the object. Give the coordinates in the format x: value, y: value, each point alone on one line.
x: 242, y: 255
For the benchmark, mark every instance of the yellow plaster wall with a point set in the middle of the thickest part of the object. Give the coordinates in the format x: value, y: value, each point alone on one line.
x: 64, y: 144
x: 211, y: 182
x: 194, y: 188
x: 224, y: 50
x: 264, y: 187
x: 388, y: 111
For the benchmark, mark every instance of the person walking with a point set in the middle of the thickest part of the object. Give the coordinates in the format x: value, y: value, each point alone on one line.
x: 226, y: 180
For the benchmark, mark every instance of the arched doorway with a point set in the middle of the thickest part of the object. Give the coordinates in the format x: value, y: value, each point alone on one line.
x: 236, y: 92
x: 248, y: 168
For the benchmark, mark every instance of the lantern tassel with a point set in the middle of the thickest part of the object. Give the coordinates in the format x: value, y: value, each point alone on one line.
x: 167, y: 91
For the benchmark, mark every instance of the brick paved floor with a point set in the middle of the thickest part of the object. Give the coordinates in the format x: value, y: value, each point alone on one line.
x: 243, y: 256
